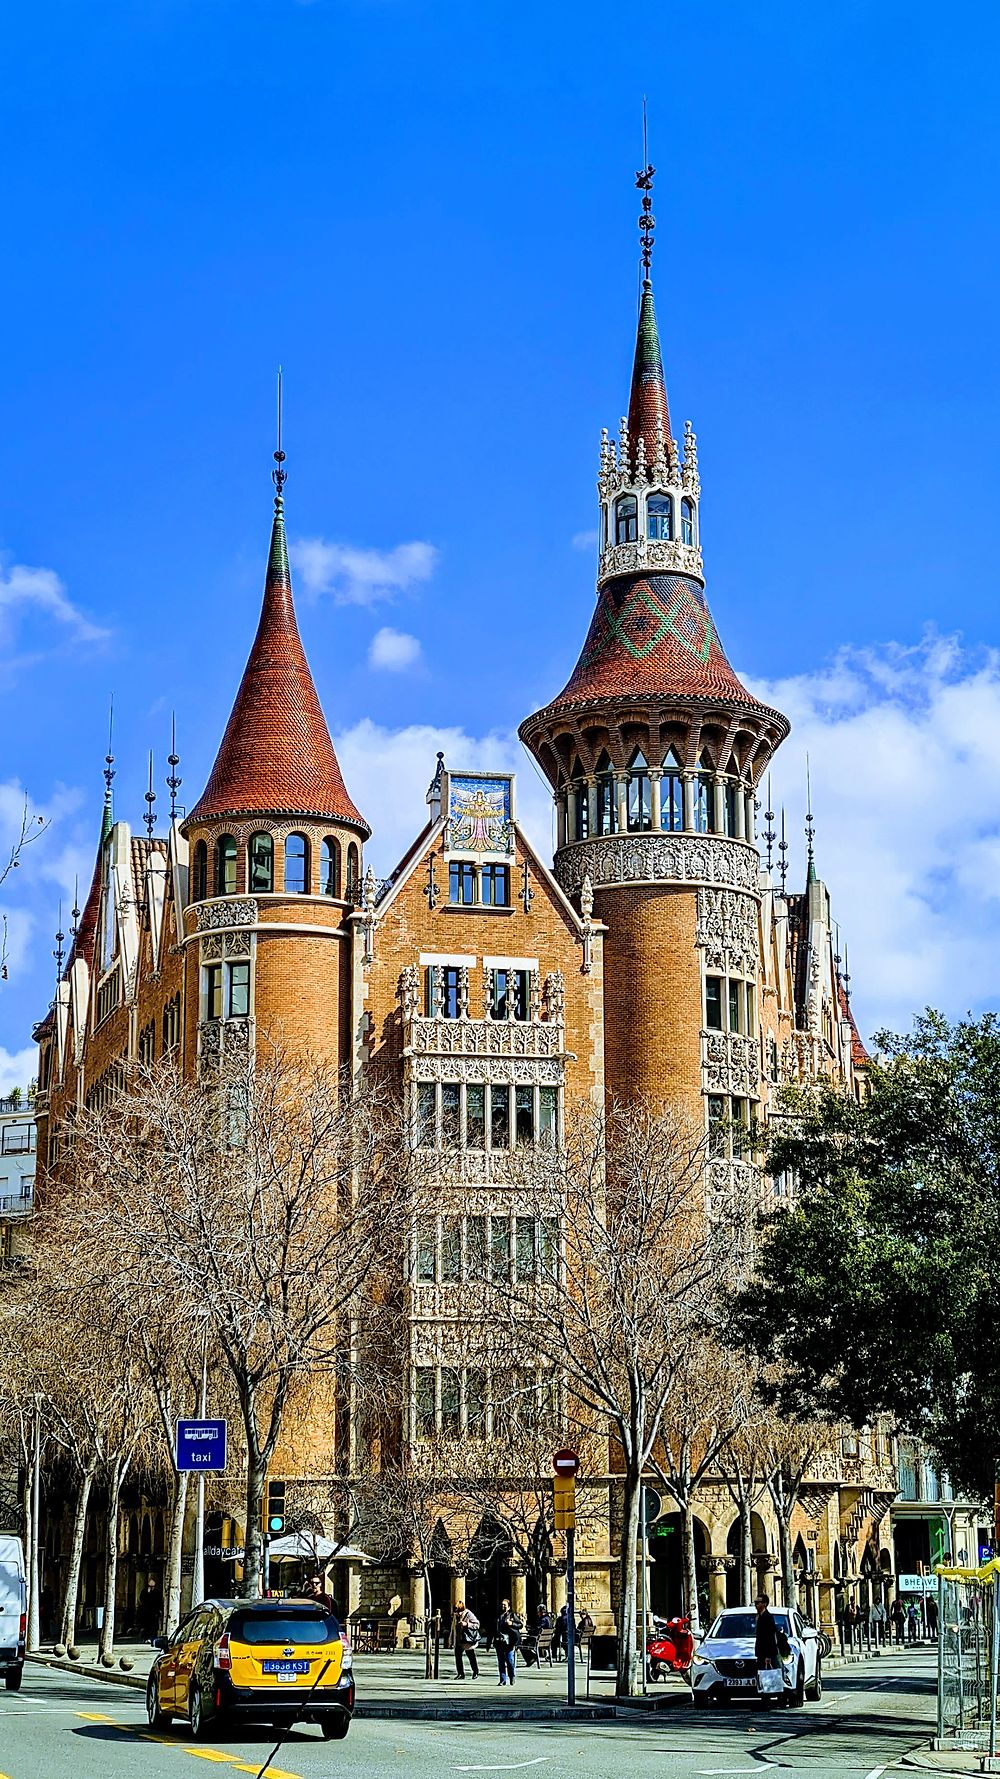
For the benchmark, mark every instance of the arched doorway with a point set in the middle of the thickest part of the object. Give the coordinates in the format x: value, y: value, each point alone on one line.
x: 491, y: 1554
x: 666, y: 1585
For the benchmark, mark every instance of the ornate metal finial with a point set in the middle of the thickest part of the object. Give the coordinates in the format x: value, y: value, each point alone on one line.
x: 527, y: 893
x: 810, y: 828
x: 435, y: 786
x: 644, y: 183
x: 75, y: 910
x: 58, y: 953
x: 279, y: 475
x: 431, y: 890
x: 109, y: 758
x: 150, y: 816
x: 846, y: 977
x: 769, y: 834
x: 173, y: 761
x: 783, y: 850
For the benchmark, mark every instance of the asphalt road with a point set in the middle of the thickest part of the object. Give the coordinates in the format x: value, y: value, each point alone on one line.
x: 60, y: 1726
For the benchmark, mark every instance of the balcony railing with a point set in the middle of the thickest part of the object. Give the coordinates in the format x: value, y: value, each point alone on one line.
x: 17, y: 1204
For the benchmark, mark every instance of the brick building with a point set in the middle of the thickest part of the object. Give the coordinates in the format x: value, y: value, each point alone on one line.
x: 658, y: 956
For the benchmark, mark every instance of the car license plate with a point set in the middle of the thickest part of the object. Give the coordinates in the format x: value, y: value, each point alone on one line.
x: 286, y: 1670
x: 746, y: 1683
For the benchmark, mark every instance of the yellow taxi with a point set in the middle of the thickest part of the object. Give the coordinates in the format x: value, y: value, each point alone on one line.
x: 273, y: 1660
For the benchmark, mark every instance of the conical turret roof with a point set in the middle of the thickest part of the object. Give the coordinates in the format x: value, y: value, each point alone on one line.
x: 276, y: 756
x: 647, y: 401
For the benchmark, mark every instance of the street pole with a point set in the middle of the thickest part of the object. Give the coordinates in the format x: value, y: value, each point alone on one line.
x: 34, y: 1615
x: 198, y: 1577
x: 642, y: 1547
x: 571, y: 1617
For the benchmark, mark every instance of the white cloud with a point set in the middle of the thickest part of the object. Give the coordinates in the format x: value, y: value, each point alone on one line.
x: 17, y: 1069
x: 904, y: 751
x: 585, y: 540
x: 41, y: 588
x: 388, y: 772
x: 357, y: 576
x: 393, y: 650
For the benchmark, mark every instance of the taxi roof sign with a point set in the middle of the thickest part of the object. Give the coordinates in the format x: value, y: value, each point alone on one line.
x: 565, y: 1462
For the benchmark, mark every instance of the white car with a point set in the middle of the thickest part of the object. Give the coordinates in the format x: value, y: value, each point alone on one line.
x: 725, y: 1667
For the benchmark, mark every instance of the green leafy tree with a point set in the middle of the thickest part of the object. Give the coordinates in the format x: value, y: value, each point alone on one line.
x: 879, y: 1291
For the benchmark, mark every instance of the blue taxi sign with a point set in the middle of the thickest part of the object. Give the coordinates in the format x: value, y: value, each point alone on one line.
x: 200, y: 1445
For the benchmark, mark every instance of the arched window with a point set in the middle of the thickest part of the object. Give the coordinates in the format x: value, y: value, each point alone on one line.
x: 225, y: 865
x: 353, y: 874
x: 607, y: 798
x: 199, y: 873
x: 640, y: 806
x: 581, y: 820
x: 330, y: 868
x: 687, y: 522
x: 659, y: 517
x: 296, y: 865
x: 704, y: 799
x: 731, y: 793
x: 671, y: 794
x: 626, y: 519
x: 260, y: 859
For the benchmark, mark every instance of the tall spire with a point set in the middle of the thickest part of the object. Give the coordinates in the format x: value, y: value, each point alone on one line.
x: 107, y: 819
x: 648, y: 414
x: 810, y: 830
x: 276, y: 756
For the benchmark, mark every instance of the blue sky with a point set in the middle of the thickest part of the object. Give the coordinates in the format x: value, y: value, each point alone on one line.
x: 426, y: 213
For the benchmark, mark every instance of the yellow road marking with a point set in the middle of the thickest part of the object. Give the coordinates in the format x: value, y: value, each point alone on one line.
x: 215, y: 1754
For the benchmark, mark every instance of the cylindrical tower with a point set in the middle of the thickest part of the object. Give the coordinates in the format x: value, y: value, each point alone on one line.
x: 654, y: 750
x: 275, y: 859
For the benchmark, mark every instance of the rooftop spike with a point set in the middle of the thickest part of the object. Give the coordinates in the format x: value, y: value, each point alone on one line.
x: 810, y: 830
x: 107, y: 819
x: 644, y: 183
x: 783, y: 855
x: 150, y: 816
x: 173, y: 761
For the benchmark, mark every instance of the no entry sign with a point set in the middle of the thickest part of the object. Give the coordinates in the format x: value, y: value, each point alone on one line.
x: 565, y: 1463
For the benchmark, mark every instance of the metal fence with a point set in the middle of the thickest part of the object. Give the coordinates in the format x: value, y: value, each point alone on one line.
x: 968, y: 1651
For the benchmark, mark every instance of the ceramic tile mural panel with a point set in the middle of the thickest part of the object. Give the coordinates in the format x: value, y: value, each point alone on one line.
x: 479, y: 810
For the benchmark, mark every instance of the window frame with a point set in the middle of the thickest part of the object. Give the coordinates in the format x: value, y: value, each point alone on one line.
x: 294, y: 858
x: 226, y: 854
x: 254, y: 887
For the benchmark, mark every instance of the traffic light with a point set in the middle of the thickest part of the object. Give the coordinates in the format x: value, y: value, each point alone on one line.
x: 564, y: 1491
x: 274, y: 1509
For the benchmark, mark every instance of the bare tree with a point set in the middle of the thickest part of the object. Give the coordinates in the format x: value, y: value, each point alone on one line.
x: 792, y: 1449
x: 31, y: 829
x: 628, y: 1294
x: 411, y: 1514
x: 271, y: 1205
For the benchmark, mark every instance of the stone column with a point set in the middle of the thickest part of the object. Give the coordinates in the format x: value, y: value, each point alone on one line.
x: 717, y: 792
x: 591, y: 795
x: 519, y: 1592
x: 353, y: 1589
x: 562, y: 817
x: 558, y: 1592
x: 572, y: 794
x: 457, y: 1589
x: 749, y: 823
x: 621, y: 800
x: 416, y: 1596
x: 655, y: 774
x: 717, y: 1567
x: 741, y: 813
x: 687, y: 794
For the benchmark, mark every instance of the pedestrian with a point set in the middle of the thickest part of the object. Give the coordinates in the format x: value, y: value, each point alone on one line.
x: 584, y: 1628
x: 913, y: 1623
x: 506, y: 1641
x: 864, y: 1626
x: 150, y: 1610
x: 878, y: 1624
x: 765, y: 1646
x: 315, y: 1591
x: 932, y: 1616
x: 544, y: 1620
x: 841, y: 1612
x: 559, y: 1638
x: 897, y: 1613
x: 852, y: 1626
x: 466, y: 1634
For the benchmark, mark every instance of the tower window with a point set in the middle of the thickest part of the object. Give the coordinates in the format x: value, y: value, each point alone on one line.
x: 626, y: 520
x: 443, y: 991
x: 461, y: 884
x: 200, y: 872
x: 729, y: 804
x: 671, y: 795
x: 581, y: 816
x: 659, y: 517
x: 687, y: 522
x: 713, y: 1003
x: 213, y: 991
x: 238, y: 995
x: 508, y: 994
x: 225, y: 865
x: 702, y: 804
x: 640, y: 808
x: 607, y: 799
x: 261, y: 858
x: 330, y: 867
x: 296, y: 865
x: 353, y: 874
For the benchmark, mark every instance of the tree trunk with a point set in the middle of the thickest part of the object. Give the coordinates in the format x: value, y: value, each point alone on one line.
x: 71, y: 1592
x: 746, y: 1551
x: 788, y: 1581
x: 175, y: 1552
x: 256, y: 1484
x: 428, y: 1625
x: 106, y: 1641
x: 690, y: 1564
x: 629, y: 1670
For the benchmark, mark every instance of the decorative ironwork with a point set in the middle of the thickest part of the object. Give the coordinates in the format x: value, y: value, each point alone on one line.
x: 58, y: 953
x: 173, y: 761
x: 527, y: 893
x: 783, y: 860
x: 431, y: 890
x: 150, y: 799
x: 769, y: 834
x: 644, y: 183
x: 279, y: 475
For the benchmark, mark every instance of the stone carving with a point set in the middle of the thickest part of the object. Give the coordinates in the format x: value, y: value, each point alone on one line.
x: 528, y: 1071
x: 730, y: 1064
x: 659, y: 858
x: 228, y: 912
x: 409, y: 991
x: 650, y: 556
x: 211, y: 947
x: 727, y: 928
x: 555, y: 996
x: 483, y: 1037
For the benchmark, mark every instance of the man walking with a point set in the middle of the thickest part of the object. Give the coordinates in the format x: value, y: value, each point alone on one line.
x: 559, y: 1639
x: 506, y: 1638
x: 766, y: 1637
x: 466, y: 1641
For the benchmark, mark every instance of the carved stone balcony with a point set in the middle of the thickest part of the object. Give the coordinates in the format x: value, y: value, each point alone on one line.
x: 651, y: 556
x: 730, y: 1064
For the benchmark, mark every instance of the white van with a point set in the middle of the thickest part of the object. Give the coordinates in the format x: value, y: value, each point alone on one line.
x: 13, y: 1610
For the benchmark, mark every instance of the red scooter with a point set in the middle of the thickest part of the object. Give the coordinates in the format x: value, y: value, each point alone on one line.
x: 670, y: 1648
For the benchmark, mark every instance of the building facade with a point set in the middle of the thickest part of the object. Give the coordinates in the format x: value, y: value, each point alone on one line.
x: 17, y: 1170
x: 660, y: 955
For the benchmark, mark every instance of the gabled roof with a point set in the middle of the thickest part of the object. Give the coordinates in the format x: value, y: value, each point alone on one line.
x: 276, y: 756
